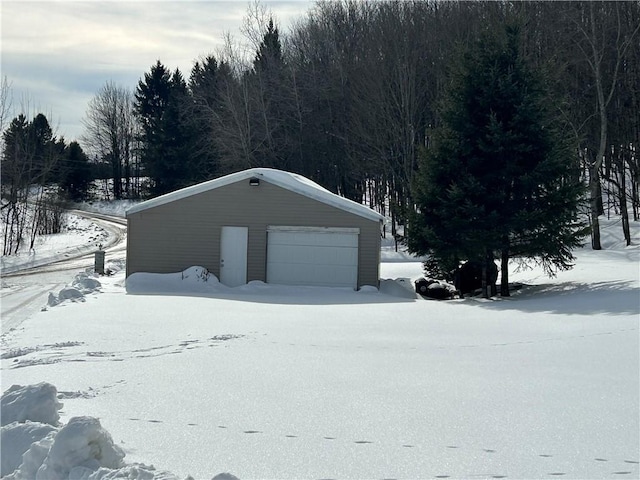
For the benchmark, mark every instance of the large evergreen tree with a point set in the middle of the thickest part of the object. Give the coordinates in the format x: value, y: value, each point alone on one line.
x: 75, y: 174
x: 201, y: 113
x: 151, y: 101
x: 269, y: 84
x: 176, y: 169
x: 41, y: 136
x: 501, y: 178
x: 29, y: 152
x: 161, y: 105
x: 16, y: 151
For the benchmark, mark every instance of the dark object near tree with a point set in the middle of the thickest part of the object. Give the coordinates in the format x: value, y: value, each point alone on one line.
x: 468, y: 277
x: 433, y: 289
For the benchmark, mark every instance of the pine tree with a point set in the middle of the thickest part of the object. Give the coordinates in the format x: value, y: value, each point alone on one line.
x: 204, y: 92
x: 159, y: 99
x: 42, y: 137
x: 269, y: 84
x: 75, y: 177
x: 16, y: 151
x: 178, y: 169
x: 151, y: 99
x: 500, y: 179
x: 269, y: 54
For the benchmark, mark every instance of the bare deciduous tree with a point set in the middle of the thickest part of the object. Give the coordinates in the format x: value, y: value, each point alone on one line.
x: 109, y: 132
x: 604, y: 44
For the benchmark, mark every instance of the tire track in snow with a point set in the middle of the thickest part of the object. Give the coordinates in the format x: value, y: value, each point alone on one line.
x: 48, y: 354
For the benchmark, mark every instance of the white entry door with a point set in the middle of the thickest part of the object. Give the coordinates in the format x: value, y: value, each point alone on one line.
x: 233, y: 255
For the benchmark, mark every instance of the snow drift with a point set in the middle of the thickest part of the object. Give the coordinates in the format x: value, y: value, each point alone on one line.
x: 35, y: 447
x: 36, y: 403
x: 197, y: 280
x: 192, y: 280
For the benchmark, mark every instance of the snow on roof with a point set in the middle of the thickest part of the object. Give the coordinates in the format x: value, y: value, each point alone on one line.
x: 291, y: 181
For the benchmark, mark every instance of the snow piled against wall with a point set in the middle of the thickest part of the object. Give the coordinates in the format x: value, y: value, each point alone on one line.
x: 192, y: 280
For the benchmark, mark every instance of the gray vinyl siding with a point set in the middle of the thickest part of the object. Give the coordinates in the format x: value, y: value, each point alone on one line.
x: 186, y: 232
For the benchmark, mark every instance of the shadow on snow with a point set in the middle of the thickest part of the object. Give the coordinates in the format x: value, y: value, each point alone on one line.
x: 572, y: 298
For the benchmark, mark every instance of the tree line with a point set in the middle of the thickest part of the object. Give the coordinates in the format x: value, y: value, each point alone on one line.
x: 39, y: 172
x: 350, y: 97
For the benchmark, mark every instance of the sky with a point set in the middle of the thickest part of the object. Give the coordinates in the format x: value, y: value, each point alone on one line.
x: 56, y: 55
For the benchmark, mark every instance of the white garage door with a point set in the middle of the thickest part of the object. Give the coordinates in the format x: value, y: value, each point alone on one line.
x: 312, y: 256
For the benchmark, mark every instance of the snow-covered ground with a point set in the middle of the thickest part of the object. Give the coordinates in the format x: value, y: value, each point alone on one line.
x: 282, y: 382
x: 79, y: 235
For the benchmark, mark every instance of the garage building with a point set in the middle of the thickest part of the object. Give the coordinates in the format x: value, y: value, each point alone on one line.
x: 258, y: 224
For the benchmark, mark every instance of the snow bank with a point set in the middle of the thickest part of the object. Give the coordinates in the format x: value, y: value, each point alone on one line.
x: 16, y: 438
x: 83, y: 284
x: 82, y: 446
x: 400, y: 287
x: 34, y: 447
x: 192, y: 280
x: 37, y: 403
x: 199, y: 281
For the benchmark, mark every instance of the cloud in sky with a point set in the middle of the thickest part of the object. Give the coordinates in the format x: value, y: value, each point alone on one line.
x: 58, y: 54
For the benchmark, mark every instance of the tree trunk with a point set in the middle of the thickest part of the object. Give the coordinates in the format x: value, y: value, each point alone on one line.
x: 635, y: 201
x: 622, y: 197
x: 485, y: 289
x: 594, y: 183
x: 488, y: 288
x: 504, y: 273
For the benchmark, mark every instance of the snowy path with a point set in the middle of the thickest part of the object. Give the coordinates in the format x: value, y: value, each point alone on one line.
x: 26, y: 283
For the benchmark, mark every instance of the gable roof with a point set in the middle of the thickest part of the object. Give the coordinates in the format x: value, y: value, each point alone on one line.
x: 290, y: 181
